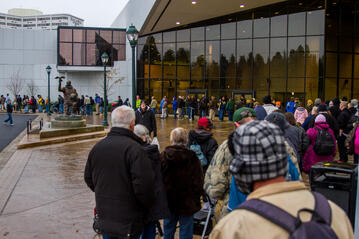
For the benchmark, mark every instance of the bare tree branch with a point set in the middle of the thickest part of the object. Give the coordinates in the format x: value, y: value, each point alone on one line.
x: 112, y: 80
x: 31, y: 87
x: 16, y: 83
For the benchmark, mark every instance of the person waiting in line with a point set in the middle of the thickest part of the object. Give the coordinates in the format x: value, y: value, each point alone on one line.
x: 344, y: 129
x: 203, y: 137
x: 160, y: 209
x: 188, y: 107
x: 164, y: 105
x: 309, y: 106
x: 291, y: 105
x: 268, y: 106
x: 183, y: 181
x: 230, y: 109
x: 212, y: 108
x: 203, y: 107
x: 153, y: 104
x: 146, y: 117
x: 138, y: 101
x: 181, y: 108
x: 102, y: 105
x: 300, y: 114
x: 260, y: 111
x: 193, y: 106
x: 222, y: 108
x: 174, y: 107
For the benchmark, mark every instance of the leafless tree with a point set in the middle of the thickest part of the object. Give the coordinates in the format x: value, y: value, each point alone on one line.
x: 31, y: 87
x: 16, y: 83
x: 112, y: 80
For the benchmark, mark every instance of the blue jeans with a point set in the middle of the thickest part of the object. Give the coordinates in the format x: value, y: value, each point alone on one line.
x: 9, y: 118
x: 40, y: 108
x: 149, y: 232
x: 230, y: 115
x: 189, y: 112
x: 221, y: 114
x: 47, y: 108
x: 175, y: 113
x: 154, y: 110
x: 186, y: 227
x: 26, y: 109
x: 107, y: 237
x: 101, y: 109
x: 203, y: 113
x: 61, y: 108
x: 88, y: 109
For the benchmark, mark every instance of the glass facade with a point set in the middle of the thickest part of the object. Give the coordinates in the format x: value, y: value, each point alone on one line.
x: 81, y: 46
x: 303, y: 49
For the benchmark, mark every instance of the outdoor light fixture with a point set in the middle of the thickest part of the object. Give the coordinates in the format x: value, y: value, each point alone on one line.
x: 241, y: 6
x: 194, y: 2
x: 104, y: 59
x: 132, y: 36
x: 48, y: 70
x: 177, y: 23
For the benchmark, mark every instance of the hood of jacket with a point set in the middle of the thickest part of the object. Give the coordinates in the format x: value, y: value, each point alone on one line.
x: 200, y: 136
x: 117, y: 131
x: 140, y: 110
x: 279, y: 120
x: 179, y: 154
x: 301, y: 109
x: 150, y: 148
x: 322, y: 125
x: 336, y: 101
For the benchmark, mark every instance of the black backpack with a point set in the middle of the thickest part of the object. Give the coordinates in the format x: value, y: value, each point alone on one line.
x: 324, y: 144
x: 317, y: 227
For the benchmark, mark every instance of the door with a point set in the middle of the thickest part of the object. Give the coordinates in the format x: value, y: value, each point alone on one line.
x: 237, y: 95
x: 198, y: 94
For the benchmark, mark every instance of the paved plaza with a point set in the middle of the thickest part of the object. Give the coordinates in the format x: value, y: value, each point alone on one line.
x: 42, y: 191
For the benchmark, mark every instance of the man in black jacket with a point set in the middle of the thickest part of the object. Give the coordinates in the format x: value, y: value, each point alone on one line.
x: 322, y: 109
x: 343, y: 119
x: 146, y: 117
x: 120, y: 173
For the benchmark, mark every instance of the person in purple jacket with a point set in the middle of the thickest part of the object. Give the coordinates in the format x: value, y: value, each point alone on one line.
x: 310, y: 157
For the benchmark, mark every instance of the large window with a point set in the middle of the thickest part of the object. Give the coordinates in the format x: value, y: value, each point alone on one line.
x: 278, y: 50
x: 82, y: 46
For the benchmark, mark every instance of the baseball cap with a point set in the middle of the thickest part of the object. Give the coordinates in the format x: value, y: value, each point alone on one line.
x: 242, y: 113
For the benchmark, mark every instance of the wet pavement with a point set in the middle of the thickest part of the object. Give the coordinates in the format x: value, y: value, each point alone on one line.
x: 43, y: 194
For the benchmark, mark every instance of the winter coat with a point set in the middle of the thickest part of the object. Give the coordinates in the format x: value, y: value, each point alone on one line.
x: 147, y: 118
x: 330, y: 120
x: 138, y: 103
x: 153, y: 103
x: 343, y: 119
x: 261, y: 112
x: 335, y: 110
x: 205, y: 140
x: 356, y: 141
x: 304, y: 141
x: 181, y: 103
x: 160, y: 209
x: 183, y: 179
x: 290, y: 107
x: 300, y: 115
x: 230, y: 106
x: 218, y: 178
x: 120, y: 173
x: 174, y: 105
x: 269, y: 108
x: 310, y: 157
x: 8, y: 108
x: 306, y: 122
x: 212, y: 105
x: 222, y: 105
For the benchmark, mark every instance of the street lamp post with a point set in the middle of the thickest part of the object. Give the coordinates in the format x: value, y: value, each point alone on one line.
x: 132, y: 36
x: 104, y: 59
x: 48, y: 69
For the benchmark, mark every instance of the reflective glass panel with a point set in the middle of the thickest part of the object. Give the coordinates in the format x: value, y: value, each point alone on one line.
x: 79, y: 35
x: 106, y: 35
x: 183, y: 60
x: 279, y: 25
x: 212, y: 32
x: 169, y: 61
x: 311, y: 86
x: 79, y: 54
x: 228, y: 59
x: 261, y: 27
x: 212, y: 59
x: 356, y: 66
x: 296, y: 85
x: 315, y: 22
x: 296, y: 23
x: 155, y: 60
x: 169, y: 36
x: 345, y: 86
x: 157, y: 37
x: 245, y: 61
x: 244, y: 29
x: 345, y: 67
x: 296, y: 56
x: 330, y: 88
x: 183, y: 35
x: 197, y: 60
x: 197, y: 34
x: 228, y: 30
x: 65, y: 35
x: 91, y: 35
x: 91, y: 54
x: 331, y: 65
x: 120, y: 37
x: 261, y: 55
x: 65, y: 57
x: 278, y: 57
x: 119, y: 52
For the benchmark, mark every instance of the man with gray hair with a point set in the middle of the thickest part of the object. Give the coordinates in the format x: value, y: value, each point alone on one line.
x: 120, y: 173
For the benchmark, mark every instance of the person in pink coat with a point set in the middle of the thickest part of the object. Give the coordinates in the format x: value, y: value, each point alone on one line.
x: 356, y: 146
x: 300, y: 114
x: 310, y: 157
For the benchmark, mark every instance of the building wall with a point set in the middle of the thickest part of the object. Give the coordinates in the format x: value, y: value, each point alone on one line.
x: 135, y: 12
x: 28, y: 52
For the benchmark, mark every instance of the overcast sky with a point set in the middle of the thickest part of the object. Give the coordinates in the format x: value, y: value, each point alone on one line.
x: 96, y: 13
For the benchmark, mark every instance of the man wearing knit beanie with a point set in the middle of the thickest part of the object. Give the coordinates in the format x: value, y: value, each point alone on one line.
x: 259, y: 167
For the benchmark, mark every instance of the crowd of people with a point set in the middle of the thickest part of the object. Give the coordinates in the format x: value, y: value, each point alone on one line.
x: 261, y: 165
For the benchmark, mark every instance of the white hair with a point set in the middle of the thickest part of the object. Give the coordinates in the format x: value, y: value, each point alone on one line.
x: 178, y: 136
x: 141, y: 130
x: 122, y: 117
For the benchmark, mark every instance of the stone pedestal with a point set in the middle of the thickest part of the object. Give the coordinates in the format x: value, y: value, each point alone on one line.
x: 73, y: 121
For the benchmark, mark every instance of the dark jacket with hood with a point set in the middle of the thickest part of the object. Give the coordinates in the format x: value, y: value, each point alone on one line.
x: 335, y: 110
x: 343, y: 120
x: 183, y: 179
x: 205, y: 140
x: 332, y: 122
x: 291, y: 133
x: 147, y: 118
x: 120, y: 173
x: 160, y: 209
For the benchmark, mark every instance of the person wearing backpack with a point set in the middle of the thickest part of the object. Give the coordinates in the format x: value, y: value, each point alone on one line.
x: 202, y: 142
x: 322, y: 144
x: 259, y: 167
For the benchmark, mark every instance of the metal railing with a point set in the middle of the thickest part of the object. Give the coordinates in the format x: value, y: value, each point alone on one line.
x: 31, y: 125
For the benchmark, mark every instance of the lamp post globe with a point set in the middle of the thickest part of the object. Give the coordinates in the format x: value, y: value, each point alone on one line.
x: 48, y: 70
x: 132, y: 36
x: 104, y: 59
